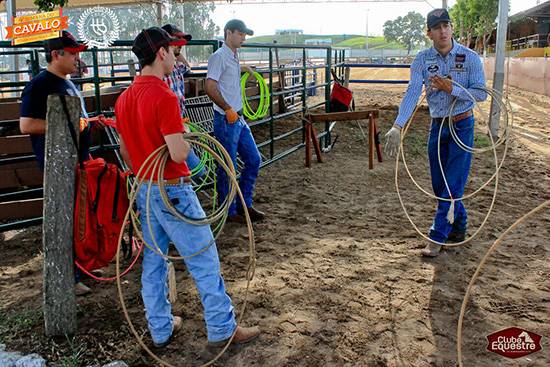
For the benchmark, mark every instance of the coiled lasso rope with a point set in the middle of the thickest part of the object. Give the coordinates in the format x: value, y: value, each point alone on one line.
x: 263, y: 103
x: 504, y: 106
x: 153, y: 167
x: 492, y: 249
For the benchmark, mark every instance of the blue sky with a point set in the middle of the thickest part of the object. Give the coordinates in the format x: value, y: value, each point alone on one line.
x: 330, y: 18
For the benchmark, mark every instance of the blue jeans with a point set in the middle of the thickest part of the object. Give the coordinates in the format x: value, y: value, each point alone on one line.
x: 456, y: 167
x: 237, y: 138
x: 193, y: 161
x: 204, y: 268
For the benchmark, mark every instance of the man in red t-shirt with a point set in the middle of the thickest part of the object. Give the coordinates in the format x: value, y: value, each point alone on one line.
x: 148, y: 116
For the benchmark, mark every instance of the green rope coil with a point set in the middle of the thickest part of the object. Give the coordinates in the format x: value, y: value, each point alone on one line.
x: 263, y: 104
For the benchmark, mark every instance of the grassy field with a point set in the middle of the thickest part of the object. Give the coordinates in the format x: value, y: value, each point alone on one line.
x: 338, y: 40
x: 374, y: 43
x: 300, y: 38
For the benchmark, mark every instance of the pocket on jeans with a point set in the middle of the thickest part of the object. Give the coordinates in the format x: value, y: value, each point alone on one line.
x: 465, y: 124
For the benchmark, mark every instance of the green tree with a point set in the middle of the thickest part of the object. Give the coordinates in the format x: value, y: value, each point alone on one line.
x: 486, y: 11
x: 407, y: 30
x: 49, y: 5
x: 194, y: 18
x: 474, y: 19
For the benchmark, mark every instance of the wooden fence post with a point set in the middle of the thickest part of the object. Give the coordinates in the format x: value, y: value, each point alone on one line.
x: 57, y: 233
x: 131, y: 67
x: 347, y: 72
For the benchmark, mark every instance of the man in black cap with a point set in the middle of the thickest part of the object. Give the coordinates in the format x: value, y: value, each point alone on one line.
x: 223, y: 86
x: 176, y: 82
x: 148, y: 116
x: 176, y: 79
x: 62, y: 55
x: 435, y: 68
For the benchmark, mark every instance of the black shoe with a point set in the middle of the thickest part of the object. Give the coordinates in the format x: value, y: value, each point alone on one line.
x: 455, y: 237
x: 255, y: 215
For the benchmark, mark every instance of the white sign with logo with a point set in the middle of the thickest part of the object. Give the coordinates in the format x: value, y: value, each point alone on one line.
x: 98, y: 27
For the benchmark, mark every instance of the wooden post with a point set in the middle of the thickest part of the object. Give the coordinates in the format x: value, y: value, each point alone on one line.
x: 371, y: 141
x: 57, y: 233
x: 131, y: 68
x: 347, y: 72
x: 282, y: 83
x: 308, y: 144
x: 377, y: 141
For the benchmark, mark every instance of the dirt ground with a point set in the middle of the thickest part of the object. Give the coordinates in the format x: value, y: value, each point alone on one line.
x: 339, y: 279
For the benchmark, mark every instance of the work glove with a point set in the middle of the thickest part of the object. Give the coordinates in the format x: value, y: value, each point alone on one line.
x: 393, y: 139
x: 231, y: 116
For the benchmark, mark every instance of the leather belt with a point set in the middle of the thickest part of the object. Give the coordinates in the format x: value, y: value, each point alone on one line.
x: 174, y: 181
x: 459, y: 117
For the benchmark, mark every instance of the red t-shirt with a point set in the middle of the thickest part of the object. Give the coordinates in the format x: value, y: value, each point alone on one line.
x: 146, y: 112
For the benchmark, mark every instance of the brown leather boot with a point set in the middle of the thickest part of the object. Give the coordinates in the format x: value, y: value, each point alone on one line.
x: 255, y: 214
x: 80, y: 289
x: 176, y: 327
x: 242, y: 335
x: 431, y: 250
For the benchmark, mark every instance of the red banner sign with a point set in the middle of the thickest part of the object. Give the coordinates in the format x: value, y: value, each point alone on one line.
x: 37, y: 27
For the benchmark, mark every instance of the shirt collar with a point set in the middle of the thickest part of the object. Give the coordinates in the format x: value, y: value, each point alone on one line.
x: 149, y: 79
x: 454, y: 49
x: 228, y: 50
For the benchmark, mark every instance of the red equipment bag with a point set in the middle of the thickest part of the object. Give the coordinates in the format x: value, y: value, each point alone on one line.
x: 100, y: 206
x: 340, y: 97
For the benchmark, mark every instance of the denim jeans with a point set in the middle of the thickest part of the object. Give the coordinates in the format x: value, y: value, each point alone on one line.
x: 192, y: 161
x: 237, y: 138
x: 456, y: 166
x: 204, y: 268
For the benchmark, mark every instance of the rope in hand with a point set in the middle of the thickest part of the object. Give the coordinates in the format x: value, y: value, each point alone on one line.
x: 263, y: 103
x: 153, y: 167
x: 504, y: 106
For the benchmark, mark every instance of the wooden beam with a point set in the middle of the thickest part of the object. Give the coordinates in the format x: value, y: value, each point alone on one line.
x: 57, y: 233
x: 20, y: 177
x: 15, y: 144
x: 9, y: 110
x: 342, y: 116
x: 21, y: 209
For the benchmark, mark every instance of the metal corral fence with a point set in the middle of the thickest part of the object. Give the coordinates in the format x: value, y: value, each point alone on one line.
x: 377, y: 81
x: 295, y: 86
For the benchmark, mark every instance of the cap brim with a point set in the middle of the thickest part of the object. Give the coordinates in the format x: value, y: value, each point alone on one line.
x: 178, y: 42
x: 249, y: 32
x: 439, y: 21
x: 183, y: 35
x: 79, y: 48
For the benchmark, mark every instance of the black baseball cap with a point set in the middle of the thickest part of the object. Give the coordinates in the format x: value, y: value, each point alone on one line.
x: 237, y: 24
x: 174, y: 31
x: 65, y: 42
x: 150, y: 40
x: 437, y: 16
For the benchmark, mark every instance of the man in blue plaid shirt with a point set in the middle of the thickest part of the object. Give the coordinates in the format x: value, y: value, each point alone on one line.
x: 435, y: 68
x: 176, y: 82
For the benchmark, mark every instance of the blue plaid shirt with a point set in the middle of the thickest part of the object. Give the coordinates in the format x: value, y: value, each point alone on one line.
x: 462, y: 64
x: 176, y: 82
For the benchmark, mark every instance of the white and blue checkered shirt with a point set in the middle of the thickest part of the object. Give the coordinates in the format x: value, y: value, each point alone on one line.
x: 224, y: 68
x: 462, y: 64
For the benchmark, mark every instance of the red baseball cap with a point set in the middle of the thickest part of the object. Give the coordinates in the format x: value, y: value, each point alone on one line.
x: 150, y: 40
x: 66, y: 42
x: 174, y: 31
